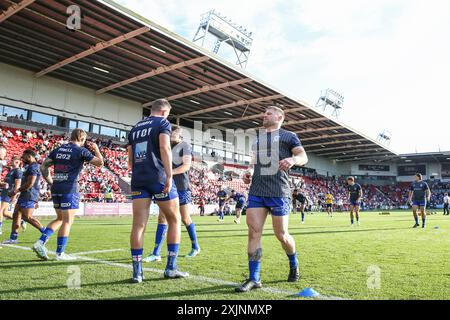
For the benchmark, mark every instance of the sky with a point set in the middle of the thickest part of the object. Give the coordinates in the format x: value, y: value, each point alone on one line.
x: 390, y: 59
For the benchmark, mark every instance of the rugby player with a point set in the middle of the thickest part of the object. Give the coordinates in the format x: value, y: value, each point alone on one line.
x: 419, y: 194
x: 329, y: 199
x: 355, y: 195
x: 150, y: 159
x: 240, y: 200
x: 275, y: 151
x: 222, y: 197
x: 13, y: 180
x: 68, y: 161
x: 182, y: 160
x: 301, y: 199
x: 29, y: 196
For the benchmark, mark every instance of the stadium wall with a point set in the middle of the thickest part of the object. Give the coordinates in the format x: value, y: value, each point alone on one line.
x: 327, y: 167
x: 19, y: 88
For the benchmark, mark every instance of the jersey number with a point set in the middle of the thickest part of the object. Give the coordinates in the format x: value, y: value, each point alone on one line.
x: 63, y: 156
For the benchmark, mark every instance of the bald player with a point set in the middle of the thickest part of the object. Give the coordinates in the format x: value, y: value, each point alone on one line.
x: 275, y: 152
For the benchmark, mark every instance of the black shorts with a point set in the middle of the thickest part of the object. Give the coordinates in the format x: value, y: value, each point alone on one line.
x: 330, y: 205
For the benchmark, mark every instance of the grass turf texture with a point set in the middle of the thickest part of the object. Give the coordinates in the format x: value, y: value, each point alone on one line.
x: 334, y: 259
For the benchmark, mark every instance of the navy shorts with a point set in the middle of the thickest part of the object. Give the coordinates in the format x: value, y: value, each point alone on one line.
x: 70, y: 201
x: 221, y: 203
x: 279, y: 207
x: 154, y: 192
x: 355, y: 203
x: 26, y: 204
x: 330, y: 205
x: 185, y: 197
x: 4, y: 198
x: 422, y: 203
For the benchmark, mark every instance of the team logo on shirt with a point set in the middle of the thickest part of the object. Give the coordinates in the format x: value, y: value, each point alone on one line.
x: 140, y: 153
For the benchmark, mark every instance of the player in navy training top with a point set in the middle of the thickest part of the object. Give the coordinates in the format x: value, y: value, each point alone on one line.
x: 67, y: 161
x: 355, y: 194
x: 150, y: 158
x: 240, y: 200
x: 419, y: 194
x: 182, y: 160
x: 221, y: 197
x: 29, y: 196
x: 275, y: 152
x: 13, y: 179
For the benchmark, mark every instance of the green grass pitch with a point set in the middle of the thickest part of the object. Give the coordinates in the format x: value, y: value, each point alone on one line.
x: 336, y: 260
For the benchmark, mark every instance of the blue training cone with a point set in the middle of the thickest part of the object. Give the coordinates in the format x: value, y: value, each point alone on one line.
x: 309, y: 293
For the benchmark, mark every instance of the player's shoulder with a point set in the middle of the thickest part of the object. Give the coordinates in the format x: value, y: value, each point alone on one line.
x: 287, y: 133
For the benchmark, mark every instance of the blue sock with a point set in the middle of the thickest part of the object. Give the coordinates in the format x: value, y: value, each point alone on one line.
x: 159, y: 239
x: 357, y: 218
x: 303, y: 216
x: 136, y: 254
x: 424, y: 220
x: 293, y: 261
x: 254, y: 268
x: 222, y: 215
x: 172, y: 256
x: 62, y: 242
x: 46, y: 235
x: 1, y: 224
x: 352, y: 221
x: 417, y: 220
x: 42, y: 230
x: 193, y: 235
x: 14, y: 236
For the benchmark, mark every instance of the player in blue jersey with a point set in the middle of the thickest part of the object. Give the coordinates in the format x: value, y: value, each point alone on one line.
x: 150, y: 158
x: 275, y: 152
x: 67, y: 161
x: 29, y: 196
x: 355, y: 196
x: 419, y: 194
x: 300, y: 200
x: 12, y: 181
x: 182, y: 160
x: 221, y: 197
x: 240, y: 200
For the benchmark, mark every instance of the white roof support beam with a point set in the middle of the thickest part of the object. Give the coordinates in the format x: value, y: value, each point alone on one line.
x: 98, y: 47
x: 155, y: 72
x: 14, y: 8
x: 205, y: 89
x: 233, y: 104
x: 259, y: 115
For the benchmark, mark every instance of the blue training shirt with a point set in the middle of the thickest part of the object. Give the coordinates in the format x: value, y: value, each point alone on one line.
x: 354, y: 191
x: 68, y: 161
x: 10, y: 179
x: 148, y: 167
x: 32, y: 194
x: 222, y: 195
x: 238, y: 197
x: 419, y: 190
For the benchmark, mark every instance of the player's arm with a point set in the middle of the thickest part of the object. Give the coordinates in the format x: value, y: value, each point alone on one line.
x: 410, y: 196
x: 360, y: 194
x: 249, y: 173
x: 428, y: 194
x: 187, y: 162
x: 299, y: 158
x: 166, y: 157
x: 28, y: 184
x: 130, y: 157
x: 45, y: 170
x: 98, y: 157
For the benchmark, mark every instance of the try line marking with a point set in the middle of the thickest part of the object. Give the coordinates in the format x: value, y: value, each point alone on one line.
x: 191, y: 277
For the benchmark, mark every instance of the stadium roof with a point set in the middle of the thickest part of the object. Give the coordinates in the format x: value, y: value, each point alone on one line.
x: 438, y: 157
x: 119, y: 52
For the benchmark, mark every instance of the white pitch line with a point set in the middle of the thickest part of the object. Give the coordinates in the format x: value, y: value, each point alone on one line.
x: 191, y: 277
x: 98, y: 251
